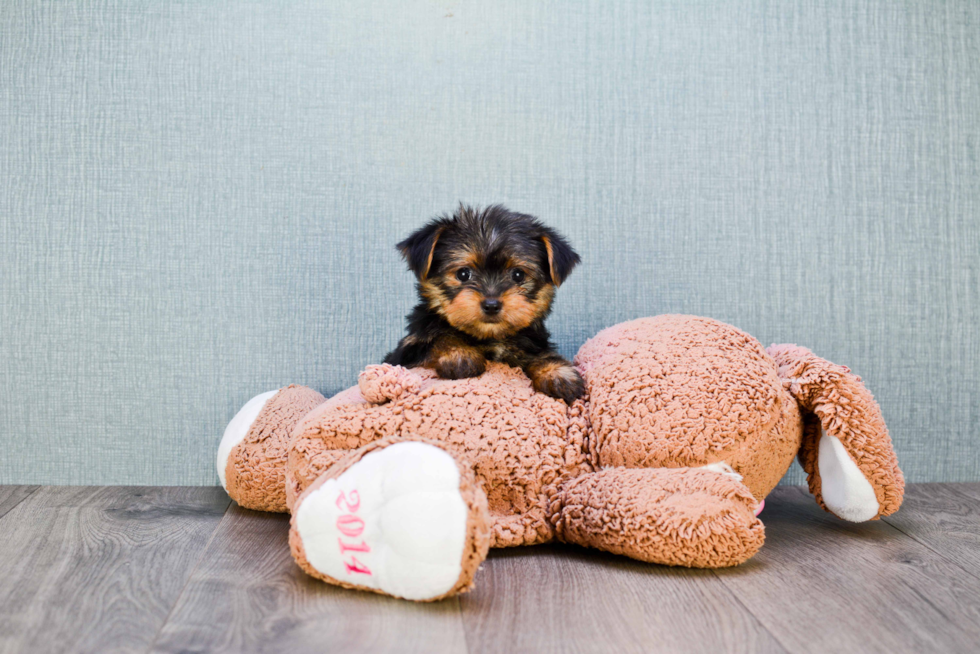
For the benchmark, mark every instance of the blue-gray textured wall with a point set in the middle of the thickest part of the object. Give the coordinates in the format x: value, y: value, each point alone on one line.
x: 198, y: 200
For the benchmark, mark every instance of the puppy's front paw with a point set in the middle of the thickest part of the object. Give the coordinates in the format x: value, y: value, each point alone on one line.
x: 459, y: 364
x: 559, y: 380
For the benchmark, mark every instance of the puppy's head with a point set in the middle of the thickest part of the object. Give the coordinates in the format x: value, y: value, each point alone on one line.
x: 490, y: 273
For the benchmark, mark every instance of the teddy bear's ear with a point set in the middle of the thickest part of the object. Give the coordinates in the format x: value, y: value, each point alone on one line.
x: 851, y: 466
x: 561, y: 257
x: 419, y: 248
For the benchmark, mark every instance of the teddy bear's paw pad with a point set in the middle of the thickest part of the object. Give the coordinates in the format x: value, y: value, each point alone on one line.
x: 395, y: 521
x: 237, y: 430
x: 723, y: 468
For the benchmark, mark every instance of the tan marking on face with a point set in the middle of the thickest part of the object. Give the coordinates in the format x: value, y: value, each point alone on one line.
x: 489, y: 330
x: 523, y: 264
x: 517, y: 310
x: 465, y: 314
x: 462, y: 258
x: 535, y: 309
x: 434, y: 297
x: 459, y: 259
x: 464, y: 310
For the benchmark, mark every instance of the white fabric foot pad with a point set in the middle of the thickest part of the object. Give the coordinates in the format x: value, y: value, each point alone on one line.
x: 395, y: 522
x: 238, y: 428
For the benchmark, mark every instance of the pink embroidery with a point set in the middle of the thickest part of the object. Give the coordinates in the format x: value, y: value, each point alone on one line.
x: 356, y: 566
x: 351, y: 526
x: 350, y: 507
x: 344, y: 547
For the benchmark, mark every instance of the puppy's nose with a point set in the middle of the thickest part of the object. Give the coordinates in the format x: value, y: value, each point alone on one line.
x: 491, y: 306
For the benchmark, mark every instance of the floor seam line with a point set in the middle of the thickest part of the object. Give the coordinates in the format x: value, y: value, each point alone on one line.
x: 885, y: 520
x: 738, y: 600
x: 955, y: 487
x: 927, y: 545
x: 802, y: 491
x: 190, y: 575
x: 20, y: 501
x: 462, y: 624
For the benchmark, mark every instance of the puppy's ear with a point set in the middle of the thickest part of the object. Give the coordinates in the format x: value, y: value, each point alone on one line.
x: 420, y: 246
x: 561, y: 257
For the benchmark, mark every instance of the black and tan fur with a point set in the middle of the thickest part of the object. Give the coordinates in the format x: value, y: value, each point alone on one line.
x: 486, y: 280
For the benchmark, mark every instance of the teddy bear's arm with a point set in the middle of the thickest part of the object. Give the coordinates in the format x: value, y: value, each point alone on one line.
x: 675, y: 516
x: 847, y: 453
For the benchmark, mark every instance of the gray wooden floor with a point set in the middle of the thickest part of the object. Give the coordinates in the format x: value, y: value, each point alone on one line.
x: 185, y: 570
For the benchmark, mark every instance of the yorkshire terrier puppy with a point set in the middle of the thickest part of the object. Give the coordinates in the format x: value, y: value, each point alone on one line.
x: 486, y: 280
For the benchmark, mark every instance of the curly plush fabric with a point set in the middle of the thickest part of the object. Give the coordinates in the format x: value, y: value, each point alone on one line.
x: 384, y: 382
x: 256, y: 469
x: 693, y: 518
x: 696, y: 391
x: 675, y: 391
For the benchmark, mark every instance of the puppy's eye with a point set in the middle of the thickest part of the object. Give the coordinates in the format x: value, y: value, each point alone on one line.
x: 464, y: 274
x: 518, y: 276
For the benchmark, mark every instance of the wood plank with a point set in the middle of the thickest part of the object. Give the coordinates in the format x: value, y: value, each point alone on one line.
x: 11, y: 496
x: 98, y: 569
x: 569, y: 599
x: 969, y: 489
x: 248, y: 595
x: 946, y: 519
x: 824, y: 585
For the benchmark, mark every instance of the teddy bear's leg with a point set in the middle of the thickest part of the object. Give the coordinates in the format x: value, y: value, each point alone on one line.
x: 252, y: 454
x: 397, y: 517
x: 675, y: 516
x: 846, y: 451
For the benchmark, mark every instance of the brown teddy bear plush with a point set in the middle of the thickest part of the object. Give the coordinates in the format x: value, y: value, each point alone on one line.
x: 401, y: 484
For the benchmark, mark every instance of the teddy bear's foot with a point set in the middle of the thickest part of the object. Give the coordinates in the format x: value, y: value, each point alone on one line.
x: 252, y: 453
x: 682, y: 516
x: 399, y: 518
x: 237, y: 429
